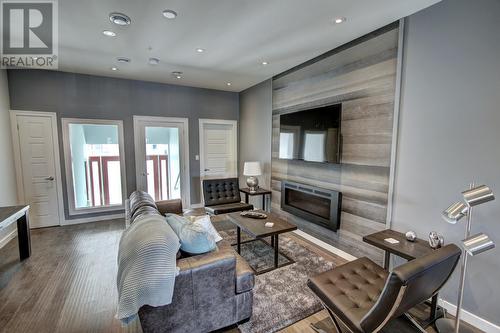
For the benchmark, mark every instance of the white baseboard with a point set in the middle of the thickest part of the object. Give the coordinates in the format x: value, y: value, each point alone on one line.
x: 93, y: 219
x: 198, y: 205
x: 326, y: 246
x: 10, y: 236
x: 471, y: 318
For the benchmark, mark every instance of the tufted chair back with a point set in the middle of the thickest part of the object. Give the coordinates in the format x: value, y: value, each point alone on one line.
x: 221, y: 191
x: 411, y: 284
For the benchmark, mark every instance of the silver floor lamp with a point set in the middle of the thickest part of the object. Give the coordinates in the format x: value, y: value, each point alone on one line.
x: 472, y: 245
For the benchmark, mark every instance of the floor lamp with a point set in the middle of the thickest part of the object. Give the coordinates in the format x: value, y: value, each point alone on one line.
x: 472, y: 245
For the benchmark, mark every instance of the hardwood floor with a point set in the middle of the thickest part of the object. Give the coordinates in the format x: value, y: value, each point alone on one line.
x: 68, y: 284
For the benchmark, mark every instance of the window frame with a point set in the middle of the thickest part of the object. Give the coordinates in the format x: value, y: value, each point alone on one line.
x: 72, y: 210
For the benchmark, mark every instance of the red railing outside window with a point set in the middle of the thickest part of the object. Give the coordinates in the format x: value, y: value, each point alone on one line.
x: 98, y: 176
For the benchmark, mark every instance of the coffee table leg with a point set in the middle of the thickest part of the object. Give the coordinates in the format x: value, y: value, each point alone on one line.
x: 238, y: 239
x: 387, y: 259
x: 276, y: 251
x: 23, y: 235
x: 264, y: 202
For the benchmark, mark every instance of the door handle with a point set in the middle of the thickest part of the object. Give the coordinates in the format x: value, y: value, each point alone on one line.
x: 49, y: 178
x: 207, y: 169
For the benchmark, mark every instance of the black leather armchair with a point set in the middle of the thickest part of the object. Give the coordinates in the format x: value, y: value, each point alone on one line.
x: 362, y: 297
x: 222, y: 196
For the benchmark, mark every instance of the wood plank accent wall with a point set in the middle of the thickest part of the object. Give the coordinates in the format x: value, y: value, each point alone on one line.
x: 362, y: 77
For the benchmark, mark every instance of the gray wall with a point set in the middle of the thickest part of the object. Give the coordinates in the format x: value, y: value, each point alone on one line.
x: 255, y: 132
x: 8, y: 193
x: 449, y: 133
x: 85, y: 96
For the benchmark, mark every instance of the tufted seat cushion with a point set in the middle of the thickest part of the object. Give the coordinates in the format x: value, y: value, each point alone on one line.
x: 228, y: 208
x: 350, y: 290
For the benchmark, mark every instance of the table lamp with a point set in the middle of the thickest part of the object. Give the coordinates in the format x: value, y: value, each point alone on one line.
x: 252, y: 170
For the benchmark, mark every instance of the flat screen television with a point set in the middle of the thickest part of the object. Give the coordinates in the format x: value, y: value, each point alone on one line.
x: 311, y: 135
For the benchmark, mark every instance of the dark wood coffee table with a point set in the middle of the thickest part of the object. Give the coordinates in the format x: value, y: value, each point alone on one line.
x: 257, y: 229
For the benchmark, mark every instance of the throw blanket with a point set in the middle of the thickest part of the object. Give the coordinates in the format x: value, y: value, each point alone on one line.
x: 146, y: 266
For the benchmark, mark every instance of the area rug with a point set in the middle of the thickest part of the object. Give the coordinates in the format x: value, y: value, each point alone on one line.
x: 281, y: 297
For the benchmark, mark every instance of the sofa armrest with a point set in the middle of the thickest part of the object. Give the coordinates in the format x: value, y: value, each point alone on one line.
x: 245, y: 276
x: 169, y: 206
x: 211, y: 276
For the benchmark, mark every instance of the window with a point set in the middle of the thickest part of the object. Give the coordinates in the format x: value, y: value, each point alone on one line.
x: 314, y: 146
x: 95, y: 167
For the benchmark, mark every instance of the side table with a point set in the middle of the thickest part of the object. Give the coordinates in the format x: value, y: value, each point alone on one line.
x: 409, y: 251
x: 259, y: 191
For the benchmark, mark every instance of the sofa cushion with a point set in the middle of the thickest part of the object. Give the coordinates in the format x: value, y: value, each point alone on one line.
x: 228, y: 208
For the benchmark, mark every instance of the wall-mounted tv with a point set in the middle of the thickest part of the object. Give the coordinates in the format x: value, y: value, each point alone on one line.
x: 311, y: 135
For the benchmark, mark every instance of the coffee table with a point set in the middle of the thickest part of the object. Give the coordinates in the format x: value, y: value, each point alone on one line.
x: 257, y: 229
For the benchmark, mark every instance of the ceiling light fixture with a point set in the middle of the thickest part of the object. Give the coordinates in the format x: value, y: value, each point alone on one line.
x: 169, y: 14
x: 229, y: 83
x: 124, y: 60
x: 109, y: 33
x: 339, y: 20
x: 200, y: 50
x: 177, y: 74
x: 114, y: 68
x: 154, y: 61
x: 264, y: 63
x: 119, y: 19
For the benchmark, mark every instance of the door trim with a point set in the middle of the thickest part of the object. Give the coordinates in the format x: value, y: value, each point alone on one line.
x: 17, y: 156
x: 73, y: 211
x: 202, y: 123
x: 139, y: 150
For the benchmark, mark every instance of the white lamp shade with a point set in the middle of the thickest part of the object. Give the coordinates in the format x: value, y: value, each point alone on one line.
x: 252, y: 169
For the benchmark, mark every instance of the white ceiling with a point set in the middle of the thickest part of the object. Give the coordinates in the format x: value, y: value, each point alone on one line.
x: 237, y: 35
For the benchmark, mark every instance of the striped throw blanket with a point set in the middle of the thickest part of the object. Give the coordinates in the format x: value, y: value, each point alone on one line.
x: 146, y: 266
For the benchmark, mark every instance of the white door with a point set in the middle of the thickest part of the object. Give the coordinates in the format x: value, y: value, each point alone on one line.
x: 161, y: 153
x: 218, y: 148
x: 38, y: 169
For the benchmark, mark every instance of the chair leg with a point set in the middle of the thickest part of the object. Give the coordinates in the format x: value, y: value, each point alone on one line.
x: 414, y: 323
x: 317, y: 329
x: 332, y: 317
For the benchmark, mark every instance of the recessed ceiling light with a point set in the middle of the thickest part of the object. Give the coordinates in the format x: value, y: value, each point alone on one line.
x: 114, y: 68
x: 264, y: 63
x: 229, y: 83
x: 177, y: 74
x: 123, y: 59
x: 339, y: 20
x: 170, y: 14
x: 109, y: 33
x: 154, y: 61
x: 200, y: 50
x: 119, y: 19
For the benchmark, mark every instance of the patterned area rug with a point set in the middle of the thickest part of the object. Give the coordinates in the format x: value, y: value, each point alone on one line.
x: 281, y: 297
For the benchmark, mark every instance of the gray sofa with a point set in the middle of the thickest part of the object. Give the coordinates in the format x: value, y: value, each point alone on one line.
x: 212, y: 290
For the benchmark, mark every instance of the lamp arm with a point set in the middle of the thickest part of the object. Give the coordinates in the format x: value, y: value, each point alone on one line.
x: 463, y: 271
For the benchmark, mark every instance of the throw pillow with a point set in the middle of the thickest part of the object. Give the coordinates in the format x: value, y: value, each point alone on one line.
x: 206, y: 223
x: 196, y: 240
x: 194, y: 237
